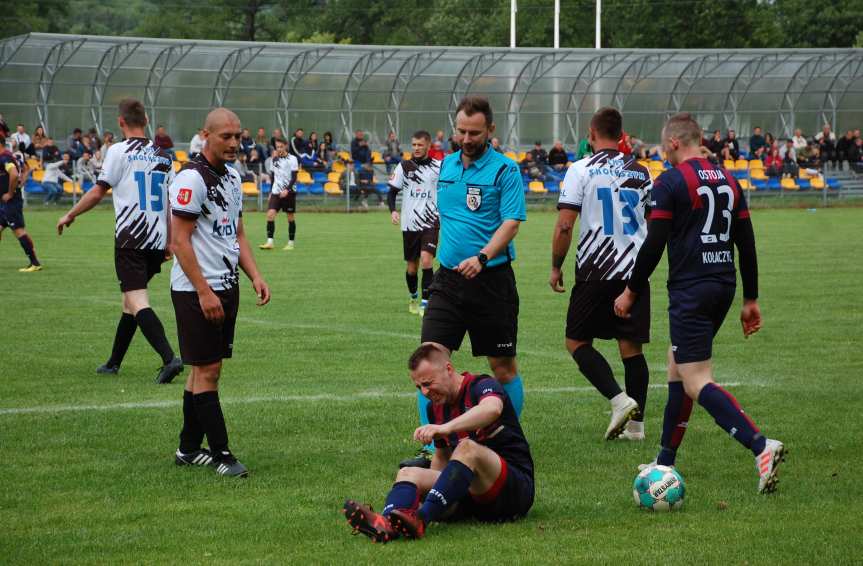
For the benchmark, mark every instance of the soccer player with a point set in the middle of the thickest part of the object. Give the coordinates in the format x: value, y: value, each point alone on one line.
x: 482, y: 467
x: 698, y: 210
x: 12, y: 175
x: 283, y: 195
x: 609, y: 190
x: 137, y: 172
x: 417, y: 177
x: 210, y: 245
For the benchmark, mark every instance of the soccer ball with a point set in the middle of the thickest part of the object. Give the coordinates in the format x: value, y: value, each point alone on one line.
x: 658, y: 488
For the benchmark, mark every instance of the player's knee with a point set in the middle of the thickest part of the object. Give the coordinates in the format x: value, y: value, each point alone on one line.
x: 628, y: 348
x: 409, y: 474
x: 504, y: 369
x: 208, y: 374
x: 573, y: 345
x: 271, y: 215
x: 466, y: 451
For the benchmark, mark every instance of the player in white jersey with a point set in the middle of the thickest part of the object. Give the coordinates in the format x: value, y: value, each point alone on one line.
x: 610, y: 191
x: 137, y: 173
x: 417, y: 178
x: 283, y: 195
x: 210, y: 248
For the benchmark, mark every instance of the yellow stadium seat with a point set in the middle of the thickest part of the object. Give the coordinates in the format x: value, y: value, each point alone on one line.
x: 728, y: 164
x: 345, y: 156
x: 377, y: 158
x: 758, y: 174
x: 756, y: 164
x: 788, y: 184
x: 177, y: 166
x: 334, y: 177
x: 69, y: 187
x: 250, y: 188
x: 332, y: 188
x: 304, y: 177
x: 181, y: 156
x: 741, y: 165
x: 38, y: 175
x: 33, y: 164
x: 804, y: 173
x: 521, y: 156
x: 745, y: 184
x: 817, y: 182
x: 511, y: 155
x: 537, y: 187
x: 338, y: 167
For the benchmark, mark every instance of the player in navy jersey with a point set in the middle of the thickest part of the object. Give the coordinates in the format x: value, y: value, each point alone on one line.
x: 12, y: 176
x: 482, y: 466
x: 698, y: 210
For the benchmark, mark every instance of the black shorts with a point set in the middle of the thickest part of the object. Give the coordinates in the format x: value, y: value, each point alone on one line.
x: 416, y: 242
x: 286, y: 204
x: 591, y: 313
x: 486, y: 307
x: 695, y: 314
x: 509, y: 499
x: 135, y: 268
x: 202, y: 342
x: 12, y: 214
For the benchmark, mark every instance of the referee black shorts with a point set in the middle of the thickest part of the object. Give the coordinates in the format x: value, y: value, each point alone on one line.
x: 135, y: 268
x: 591, y: 313
x: 202, y: 342
x: 485, y: 307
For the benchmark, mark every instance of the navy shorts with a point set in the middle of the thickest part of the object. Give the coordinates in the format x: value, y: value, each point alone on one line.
x: 12, y: 214
x: 509, y: 499
x: 695, y: 314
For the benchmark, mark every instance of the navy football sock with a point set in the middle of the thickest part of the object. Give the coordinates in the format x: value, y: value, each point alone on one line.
x: 292, y: 230
x: 210, y: 416
x: 154, y: 332
x: 677, y: 412
x: 637, y: 378
x: 726, y: 411
x: 451, y: 486
x: 192, y: 434
x: 596, y: 370
x: 411, y: 279
x: 428, y: 277
x: 403, y: 495
x: 122, y: 338
x: 271, y: 228
x: 27, y: 244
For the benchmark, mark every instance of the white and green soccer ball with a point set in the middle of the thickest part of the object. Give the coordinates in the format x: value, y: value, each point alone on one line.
x: 659, y: 488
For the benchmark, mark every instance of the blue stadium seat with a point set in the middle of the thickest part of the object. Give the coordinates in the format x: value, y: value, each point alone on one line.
x: 570, y: 156
x: 301, y: 189
x: 738, y: 174
x: 773, y: 184
x: 319, y: 177
x: 804, y: 184
x: 316, y: 189
x: 266, y: 188
x: 760, y: 185
x: 553, y: 186
x: 32, y: 187
x: 833, y: 183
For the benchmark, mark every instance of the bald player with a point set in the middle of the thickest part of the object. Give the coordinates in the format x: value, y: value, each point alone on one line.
x: 210, y: 248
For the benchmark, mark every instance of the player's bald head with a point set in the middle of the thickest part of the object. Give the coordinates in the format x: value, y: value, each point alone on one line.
x: 683, y: 128
x: 220, y: 118
x: 431, y: 352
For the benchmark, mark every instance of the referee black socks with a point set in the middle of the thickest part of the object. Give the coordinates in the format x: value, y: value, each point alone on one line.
x: 596, y: 370
x: 123, y: 337
x: 637, y: 379
x: 211, y: 419
x: 154, y: 332
x: 428, y: 277
x: 192, y: 433
x: 271, y: 229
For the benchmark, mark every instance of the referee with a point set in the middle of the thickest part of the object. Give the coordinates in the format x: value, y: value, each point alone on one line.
x: 210, y: 247
x: 481, y: 204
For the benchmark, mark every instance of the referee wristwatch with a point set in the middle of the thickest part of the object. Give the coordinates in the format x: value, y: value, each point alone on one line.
x: 483, y: 259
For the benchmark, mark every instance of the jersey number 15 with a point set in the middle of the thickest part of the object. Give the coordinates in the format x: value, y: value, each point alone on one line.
x: 155, y: 195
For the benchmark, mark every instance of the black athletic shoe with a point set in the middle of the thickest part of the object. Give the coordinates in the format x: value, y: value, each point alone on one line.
x: 227, y: 465
x: 105, y: 369
x: 169, y: 371
x: 422, y: 459
x: 363, y: 519
x: 200, y: 457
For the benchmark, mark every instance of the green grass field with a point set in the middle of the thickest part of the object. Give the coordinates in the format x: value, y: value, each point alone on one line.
x: 320, y: 407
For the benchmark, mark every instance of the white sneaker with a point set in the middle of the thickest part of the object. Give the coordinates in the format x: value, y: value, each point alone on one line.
x: 289, y: 246
x: 767, y: 463
x: 642, y: 467
x: 623, y: 408
x: 634, y: 431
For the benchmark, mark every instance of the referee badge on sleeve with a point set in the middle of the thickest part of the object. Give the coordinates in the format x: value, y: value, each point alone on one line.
x: 474, y: 198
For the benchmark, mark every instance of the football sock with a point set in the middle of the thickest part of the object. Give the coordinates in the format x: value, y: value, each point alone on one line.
x: 122, y: 338
x: 411, y: 279
x: 154, y: 332
x: 292, y: 230
x: 515, y: 390
x: 271, y: 229
x: 403, y: 495
x: 428, y: 277
x: 637, y: 378
x: 27, y: 244
x: 596, y: 370
x: 192, y: 434
x: 726, y: 411
x: 211, y: 419
x: 677, y: 412
x: 451, y: 486
x: 422, y: 406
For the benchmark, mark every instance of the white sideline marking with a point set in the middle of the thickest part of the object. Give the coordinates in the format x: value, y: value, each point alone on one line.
x: 49, y: 409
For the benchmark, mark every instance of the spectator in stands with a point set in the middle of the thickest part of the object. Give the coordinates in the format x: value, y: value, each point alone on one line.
x: 827, y: 146
x: 314, y: 143
x: 359, y: 138
x: 21, y: 141
x: 789, y: 159
x: 639, y: 148
x: 107, y: 140
x: 327, y: 150
x: 454, y: 142
x: 773, y: 163
x: 87, y: 145
x: 246, y: 141
x: 731, y: 146
x: 277, y: 135
x: 716, y: 144
x: 74, y: 145
x: 84, y: 168
x: 825, y: 133
x: 855, y: 155
x: 799, y: 140
x: 97, y: 161
x: 757, y: 144
x: 330, y: 143
x: 164, y: 141
x: 535, y: 162
x: 261, y: 142
x: 54, y: 172
x: 39, y: 139
x: 843, y: 147
x: 257, y: 165
x: 440, y: 139
x: 239, y: 164
x: 50, y: 152
x: 584, y: 149
x: 299, y: 148
x: 196, y: 146
x: 365, y: 174
x: 495, y: 145
x: 557, y: 158
x: 392, y: 153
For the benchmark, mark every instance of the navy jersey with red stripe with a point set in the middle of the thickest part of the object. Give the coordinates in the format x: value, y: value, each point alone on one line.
x: 504, y: 436
x: 8, y: 163
x: 703, y: 202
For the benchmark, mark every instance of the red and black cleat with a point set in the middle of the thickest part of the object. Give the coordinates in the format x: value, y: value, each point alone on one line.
x: 407, y: 523
x: 363, y: 519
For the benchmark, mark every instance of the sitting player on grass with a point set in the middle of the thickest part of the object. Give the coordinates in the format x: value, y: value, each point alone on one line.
x: 482, y: 467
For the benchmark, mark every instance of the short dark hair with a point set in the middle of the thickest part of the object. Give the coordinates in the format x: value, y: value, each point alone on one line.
x: 132, y: 112
x: 427, y: 351
x: 472, y: 104
x: 421, y: 135
x: 683, y: 127
x: 77, y: 131
x: 608, y: 123
x: 281, y: 140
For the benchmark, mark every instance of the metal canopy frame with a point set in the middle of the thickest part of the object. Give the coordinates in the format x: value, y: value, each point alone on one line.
x: 232, y: 66
x: 646, y: 65
x: 55, y: 60
x: 855, y: 65
x: 366, y: 66
x: 9, y: 47
x: 165, y: 62
x: 694, y: 71
x: 594, y: 69
x: 413, y: 67
x: 475, y: 67
x: 749, y: 74
x: 301, y: 64
x: 112, y: 60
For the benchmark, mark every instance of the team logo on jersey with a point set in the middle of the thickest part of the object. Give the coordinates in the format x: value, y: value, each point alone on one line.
x: 184, y: 196
x: 474, y: 198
